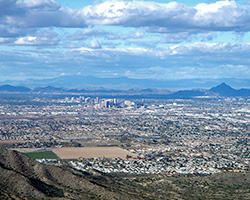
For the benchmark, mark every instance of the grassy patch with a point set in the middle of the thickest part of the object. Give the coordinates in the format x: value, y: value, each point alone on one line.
x: 43, y: 154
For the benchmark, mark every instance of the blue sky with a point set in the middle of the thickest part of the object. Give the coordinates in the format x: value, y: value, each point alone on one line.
x: 136, y: 39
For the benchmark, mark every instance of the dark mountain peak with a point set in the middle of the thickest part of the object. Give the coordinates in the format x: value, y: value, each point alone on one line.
x: 223, y: 86
x: 224, y: 90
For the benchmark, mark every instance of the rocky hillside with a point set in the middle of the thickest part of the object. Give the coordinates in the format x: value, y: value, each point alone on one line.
x: 23, y: 178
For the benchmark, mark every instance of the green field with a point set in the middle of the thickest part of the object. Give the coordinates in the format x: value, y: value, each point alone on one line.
x: 43, y: 154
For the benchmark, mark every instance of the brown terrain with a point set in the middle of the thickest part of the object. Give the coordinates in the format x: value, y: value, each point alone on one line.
x: 10, y: 141
x: 91, y: 152
x: 23, y: 178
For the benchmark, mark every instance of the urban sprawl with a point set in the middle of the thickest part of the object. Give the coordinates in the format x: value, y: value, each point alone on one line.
x: 174, y: 137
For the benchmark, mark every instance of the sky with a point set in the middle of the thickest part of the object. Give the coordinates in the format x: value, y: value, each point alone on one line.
x: 161, y: 39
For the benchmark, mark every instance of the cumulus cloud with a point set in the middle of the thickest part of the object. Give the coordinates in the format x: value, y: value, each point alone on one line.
x: 129, y: 47
x: 155, y: 17
x: 170, y: 17
x: 136, y: 13
x: 37, y: 13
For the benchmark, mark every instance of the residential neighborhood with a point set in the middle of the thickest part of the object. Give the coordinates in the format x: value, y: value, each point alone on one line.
x: 171, y: 136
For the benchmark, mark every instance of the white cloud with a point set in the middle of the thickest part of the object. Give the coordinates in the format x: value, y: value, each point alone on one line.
x: 199, y: 49
x: 126, y: 50
x: 192, y: 50
x: 136, y: 13
x: 170, y: 17
x: 197, y: 60
x: 204, y: 8
x: 41, y: 38
x: 94, y: 44
x: 29, y: 40
x: 155, y: 17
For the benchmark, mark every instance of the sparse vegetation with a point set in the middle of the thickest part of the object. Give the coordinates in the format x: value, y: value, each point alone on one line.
x: 23, y: 178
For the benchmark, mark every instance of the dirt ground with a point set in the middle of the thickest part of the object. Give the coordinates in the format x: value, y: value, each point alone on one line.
x: 91, y: 152
x: 11, y: 141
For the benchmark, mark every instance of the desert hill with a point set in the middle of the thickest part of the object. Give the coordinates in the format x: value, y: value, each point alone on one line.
x: 23, y: 178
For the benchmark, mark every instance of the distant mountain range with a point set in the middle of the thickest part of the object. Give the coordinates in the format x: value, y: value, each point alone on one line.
x: 51, y: 89
x: 121, y: 83
x: 220, y: 90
